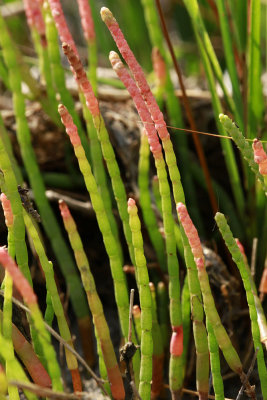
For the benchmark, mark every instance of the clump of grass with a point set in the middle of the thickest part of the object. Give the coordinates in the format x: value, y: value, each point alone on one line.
x: 167, y: 303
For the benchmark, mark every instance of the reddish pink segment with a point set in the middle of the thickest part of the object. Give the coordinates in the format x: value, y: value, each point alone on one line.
x: 64, y: 210
x: 33, y: 11
x: 176, y: 344
x: 82, y: 80
x: 21, y: 283
x: 141, y: 106
x: 7, y: 210
x: 27, y: 355
x: 86, y: 20
x: 192, y: 235
x: 137, y: 71
x: 131, y: 202
x: 62, y: 27
x: 260, y: 156
x: 71, y: 129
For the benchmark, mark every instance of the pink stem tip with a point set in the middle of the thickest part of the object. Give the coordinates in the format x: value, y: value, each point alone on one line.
x: 7, y: 210
x: 19, y: 280
x: 260, y: 156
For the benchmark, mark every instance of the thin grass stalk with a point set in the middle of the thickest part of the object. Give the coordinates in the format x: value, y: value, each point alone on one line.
x: 239, y: 19
x: 30, y: 299
x: 90, y: 37
x: 121, y: 294
x: 226, y: 145
x: 100, y: 323
x: 229, y: 55
x: 7, y: 305
x: 254, y: 87
x: 145, y: 202
x: 239, y: 260
x: 203, y: 37
x: 145, y: 303
x: 186, y: 318
x: 103, y: 136
x: 220, y: 333
x: 258, y: 305
x: 158, y: 350
x: 163, y: 317
x: 51, y: 287
x: 49, y: 221
x: 217, y: 381
x: 172, y: 260
x: 197, y: 311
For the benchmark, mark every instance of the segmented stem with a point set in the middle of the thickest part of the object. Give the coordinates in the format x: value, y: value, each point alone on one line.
x: 51, y: 286
x: 100, y: 323
x: 215, y: 363
x: 221, y: 335
x: 145, y: 202
x: 243, y: 145
x: 145, y: 303
x: 158, y: 350
x: 239, y: 260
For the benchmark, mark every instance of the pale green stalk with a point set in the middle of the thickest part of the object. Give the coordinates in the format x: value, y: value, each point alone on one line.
x: 101, y: 328
x: 145, y: 202
x: 215, y: 363
x: 158, y: 349
x: 164, y: 322
x: 239, y: 260
x: 11, y: 190
x: 186, y: 318
x: 145, y: 303
x: 51, y: 286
